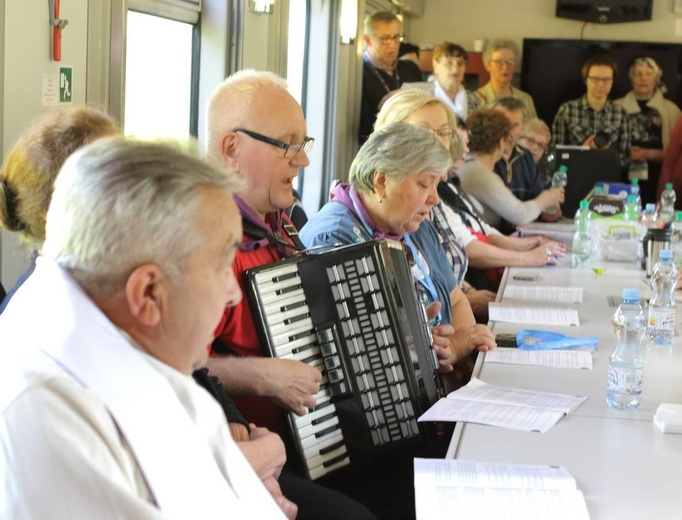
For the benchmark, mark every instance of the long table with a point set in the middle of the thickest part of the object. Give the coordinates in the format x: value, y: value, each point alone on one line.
x: 623, y: 464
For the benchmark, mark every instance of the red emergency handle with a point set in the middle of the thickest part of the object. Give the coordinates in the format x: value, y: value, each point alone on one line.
x: 56, y: 35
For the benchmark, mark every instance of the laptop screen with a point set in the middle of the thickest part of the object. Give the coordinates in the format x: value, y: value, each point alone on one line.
x: 584, y: 167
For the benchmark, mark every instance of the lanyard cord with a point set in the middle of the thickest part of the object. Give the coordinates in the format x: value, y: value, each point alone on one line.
x: 396, y: 77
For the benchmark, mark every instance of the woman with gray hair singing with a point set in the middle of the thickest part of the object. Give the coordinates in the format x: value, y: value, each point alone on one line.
x: 652, y: 118
x: 392, y: 188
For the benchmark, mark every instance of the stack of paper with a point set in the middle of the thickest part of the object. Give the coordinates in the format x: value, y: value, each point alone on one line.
x: 543, y: 293
x: 524, y: 410
x: 515, y: 313
x: 668, y: 418
x: 463, y: 489
x: 547, y: 358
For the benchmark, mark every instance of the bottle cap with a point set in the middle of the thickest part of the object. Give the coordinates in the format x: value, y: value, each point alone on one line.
x: 678, y: 215
x: 668, y: 185
x: 631, y: 294
x: 634, y: 182
x: 584, y: 204
x: 665, y: 254
x: 563, y: 168
x: 650, y: 207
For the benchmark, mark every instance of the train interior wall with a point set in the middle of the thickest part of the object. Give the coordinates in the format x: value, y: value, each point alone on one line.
x: 25, y: 61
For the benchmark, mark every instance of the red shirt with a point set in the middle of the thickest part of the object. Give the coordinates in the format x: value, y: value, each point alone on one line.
x: 239, y: 335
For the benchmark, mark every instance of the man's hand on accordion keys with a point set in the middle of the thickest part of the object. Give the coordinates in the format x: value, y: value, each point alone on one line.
x: 293, y: 385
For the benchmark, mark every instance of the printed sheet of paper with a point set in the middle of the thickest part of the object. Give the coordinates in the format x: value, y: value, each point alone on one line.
x: 464, y: 489
x: 545, y: 358
x: 477, y: 390
x: 468, y: 473
x: 544, y: 293
x: 501, y: 415
x: 511, y: 313
x: 437, y: 503
x: 517, y: 409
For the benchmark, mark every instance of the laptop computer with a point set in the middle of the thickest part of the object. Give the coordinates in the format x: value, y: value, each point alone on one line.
x: 584, y: 167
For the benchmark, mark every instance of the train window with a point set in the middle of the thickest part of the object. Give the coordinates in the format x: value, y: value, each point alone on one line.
x: 158, y: 76
x: 296, y: 52
x: 296, y: 56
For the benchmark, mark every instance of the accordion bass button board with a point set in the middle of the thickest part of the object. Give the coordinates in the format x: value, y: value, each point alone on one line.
x: 355, y: 314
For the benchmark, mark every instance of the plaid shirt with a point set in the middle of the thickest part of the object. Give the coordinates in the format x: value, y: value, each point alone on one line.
x: 457, y: 255
x: 576, y: 120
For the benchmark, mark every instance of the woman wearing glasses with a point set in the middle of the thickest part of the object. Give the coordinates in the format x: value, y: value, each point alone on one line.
x: 594, y: 120
x: 652, y: 118
x: 499, y: 59
x: 485, y: 246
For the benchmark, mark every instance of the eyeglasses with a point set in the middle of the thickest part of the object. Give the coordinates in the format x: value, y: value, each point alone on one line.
x: 444, y: 131
x: 535, y: 143
x: 385, y: 40
x: 646, y: 73
x: 290, y: 149
x: 595, y: 79
x: 499, y: 63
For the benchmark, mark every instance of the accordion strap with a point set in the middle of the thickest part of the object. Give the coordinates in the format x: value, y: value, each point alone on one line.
x: 268, y: 237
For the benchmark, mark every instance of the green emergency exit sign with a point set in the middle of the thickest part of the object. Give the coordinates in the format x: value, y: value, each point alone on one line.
x: 65, y: 83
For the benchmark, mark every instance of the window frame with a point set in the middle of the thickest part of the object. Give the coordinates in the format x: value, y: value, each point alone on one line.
x: 185, y: 11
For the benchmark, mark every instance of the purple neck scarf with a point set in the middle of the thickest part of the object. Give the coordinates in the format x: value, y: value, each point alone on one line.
x: 346, y: 195
x: 273, y: 224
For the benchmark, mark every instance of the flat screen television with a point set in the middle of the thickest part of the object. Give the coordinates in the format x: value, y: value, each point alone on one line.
x: 551, y: 69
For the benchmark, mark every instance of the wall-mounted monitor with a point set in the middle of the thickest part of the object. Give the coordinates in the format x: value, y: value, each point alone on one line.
x: 605, y: 11
x: 551, y: 69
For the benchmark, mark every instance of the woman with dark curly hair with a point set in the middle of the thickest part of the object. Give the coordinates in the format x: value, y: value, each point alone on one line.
x: 488, y: 132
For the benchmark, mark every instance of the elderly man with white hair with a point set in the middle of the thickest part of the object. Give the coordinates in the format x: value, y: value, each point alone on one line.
x: 100, y: 415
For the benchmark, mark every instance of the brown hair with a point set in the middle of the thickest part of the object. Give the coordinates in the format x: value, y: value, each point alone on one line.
x: 449, y: 49
x: 598, y: 59
x: 31, y: 166
x: 486, y: 126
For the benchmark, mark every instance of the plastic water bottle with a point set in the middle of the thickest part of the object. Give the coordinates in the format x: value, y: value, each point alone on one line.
x: 582, y: 243
x: 626, y: 363
x: 666, y: 210
x: 630, y: 210
x: 676, y: 239
x: 634, y: 191
x: 661, y: 323
x: 559, y: 180
x: 649, y: 219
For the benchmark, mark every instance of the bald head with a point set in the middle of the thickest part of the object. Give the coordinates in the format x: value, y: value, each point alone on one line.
x: 236, y: 100
x: 257, y: 128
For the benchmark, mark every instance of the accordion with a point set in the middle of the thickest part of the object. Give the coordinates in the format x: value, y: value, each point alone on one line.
x: 355, y: 314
